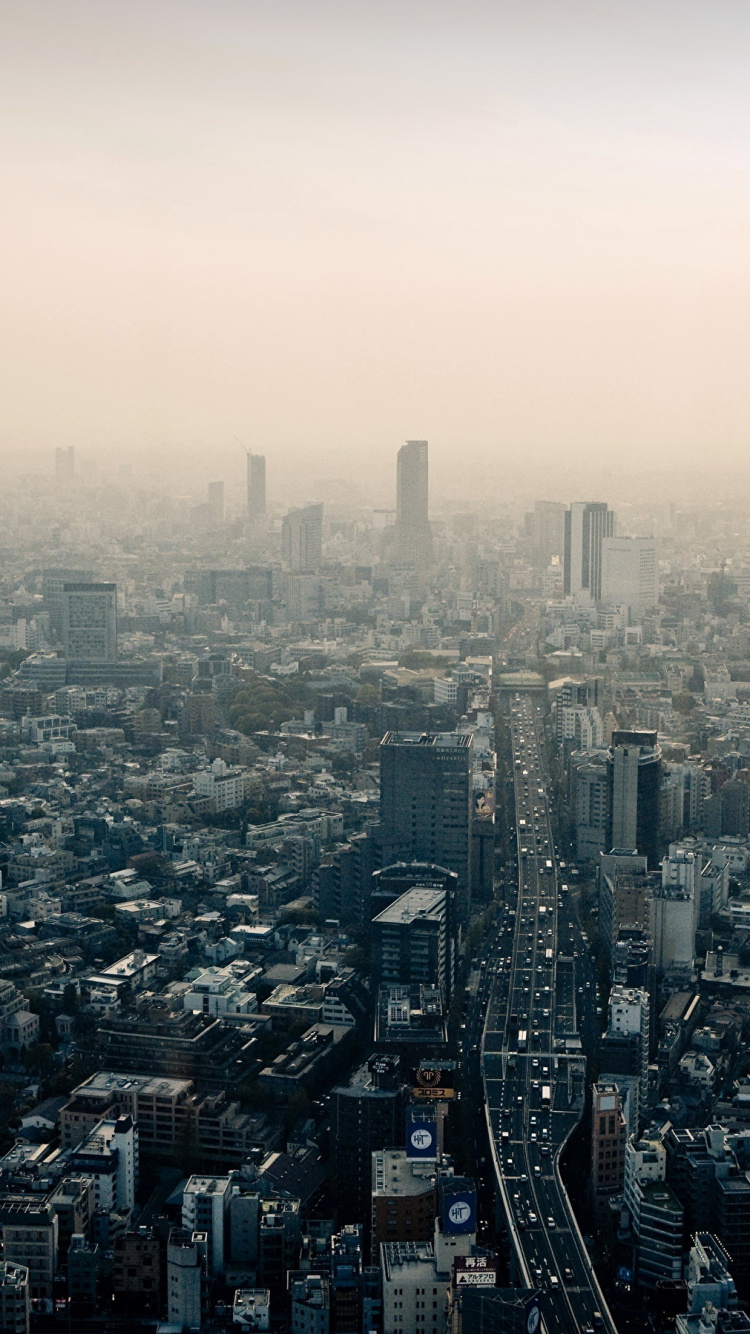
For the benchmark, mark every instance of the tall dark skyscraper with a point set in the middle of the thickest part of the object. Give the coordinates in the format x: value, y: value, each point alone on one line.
x: 586, y: 524
x: 413, y: 534
x: 302, y: 539
x: 426, y: 803
x: 634, y: 771
x: 256, y: 487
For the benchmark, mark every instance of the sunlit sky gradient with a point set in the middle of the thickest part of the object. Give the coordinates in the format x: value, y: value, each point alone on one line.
x: 508, y: 226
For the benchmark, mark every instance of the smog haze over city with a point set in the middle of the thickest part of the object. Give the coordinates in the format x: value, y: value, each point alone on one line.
x: 375, y: 667
x: 518, y: 230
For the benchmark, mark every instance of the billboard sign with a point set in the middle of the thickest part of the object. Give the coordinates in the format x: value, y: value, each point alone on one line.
x: 433, y: 1082
x: 474, y: 1271
x: 421, y: 1139
x: 459, y: 1211
x: 532, y: 1315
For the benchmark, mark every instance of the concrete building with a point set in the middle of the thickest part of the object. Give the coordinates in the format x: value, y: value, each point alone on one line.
x: 708, y: 1275
x: 29, y: 1235
x: 586, y: 525
x: 608, y: 1139
x: 251, y: 1309
x: 404, y: 1199
x: 656, y: 1215
x: 414, y: 1296
x: 216, y: 504
x: 367, y: 1114
x: 14, y: 1298
x: 675, y: 910
x: 630, y: 574
x: 309, y: 1304
x: 89, y: 622
x: 629, y: 1019
x: 634, y: 765
x: 224, y: 787
x: 205, y: 1208
x: 590, y: 783
x: 109, y: 1153
x: 413, y: 941
x: 256, y: 487
x: 426, y: 803
x: 186, y: 1255
x: 413, y: 534
x: 302, y: 539
x: 623, y: 895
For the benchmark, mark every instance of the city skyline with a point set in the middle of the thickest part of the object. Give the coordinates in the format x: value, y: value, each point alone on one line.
x: 511, y: 230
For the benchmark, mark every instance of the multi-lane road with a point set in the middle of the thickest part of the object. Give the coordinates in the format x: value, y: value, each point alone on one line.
x: 538, y: 987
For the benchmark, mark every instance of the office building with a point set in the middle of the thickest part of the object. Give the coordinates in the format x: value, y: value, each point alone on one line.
x: 426, y: 803
x: 590, y: 783
x: 205, y: 1208
x: 216, y: 504
x: 586, y: 525
x: 186, y: 1253
x: 391, y: 882
x: 630, y: 574
x: 351, y: 1285
x: 414, y: 942
x: 256, y: 487
x: 29, y: 1235
x: 634, y: 766
x: 309, y: 1303
x: 548, y: 532
x: 302, y: 540
x: 708, y: 1276
x: 14, y: 1298
x: 608, y: 1137
x: 414, y: 1295
x: 53, y: 582
x: 109, y: 1153
x: 630, y: 1019
x: 675, y: 909
x: 413, y: 534
x: 404, y: 1198
x: 623, y: 896
x: 89, y: 619
x: 656, y: 1215
x: 367, y: 1114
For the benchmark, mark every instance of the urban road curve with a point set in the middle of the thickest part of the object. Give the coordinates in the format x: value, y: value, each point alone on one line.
x: 533, y: 1066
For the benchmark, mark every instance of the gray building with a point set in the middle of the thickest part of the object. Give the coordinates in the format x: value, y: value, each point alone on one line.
x: 256, y: 486
x: 302, y: 539
x: 413, y: 534
x: 426, y: 803
x: 634, y: 769
x: 89, y: 617
x: 586, y: 524
x: 412, y: 941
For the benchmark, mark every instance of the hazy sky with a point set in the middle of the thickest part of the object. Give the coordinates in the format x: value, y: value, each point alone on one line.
x: 518, y: 228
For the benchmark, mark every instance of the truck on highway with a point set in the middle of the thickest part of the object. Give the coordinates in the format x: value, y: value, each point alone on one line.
x: 522, y: 1039
x: 546, y: 1095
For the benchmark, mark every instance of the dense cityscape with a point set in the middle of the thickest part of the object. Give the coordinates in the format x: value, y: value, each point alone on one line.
x: 375, y: 895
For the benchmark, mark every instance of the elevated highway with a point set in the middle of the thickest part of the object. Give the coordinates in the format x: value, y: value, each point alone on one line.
x: 539, y: 998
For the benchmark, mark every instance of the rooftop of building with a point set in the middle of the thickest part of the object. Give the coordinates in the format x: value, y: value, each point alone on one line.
x: 418, y: 901
x: 393, y: 1174
x: 659, y: 1195
x: 433, y: 740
